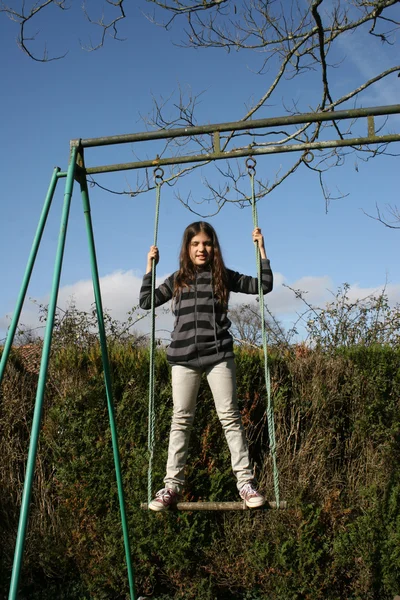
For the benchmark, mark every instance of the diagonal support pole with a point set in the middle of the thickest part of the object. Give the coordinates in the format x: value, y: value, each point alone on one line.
x: 37, y: 415
x: 28, y: 272
x: 106, y: 368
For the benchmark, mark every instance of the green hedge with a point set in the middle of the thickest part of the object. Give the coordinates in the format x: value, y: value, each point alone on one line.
x: 338, y: 435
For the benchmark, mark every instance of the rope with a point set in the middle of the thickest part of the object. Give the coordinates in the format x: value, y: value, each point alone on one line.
x: 251, y: 164
x: 158, y: 178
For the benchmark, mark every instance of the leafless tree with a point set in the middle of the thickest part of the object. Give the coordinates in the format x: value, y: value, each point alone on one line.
x: 347, y: 321
x: 287, y: 41
x: 247, y: 327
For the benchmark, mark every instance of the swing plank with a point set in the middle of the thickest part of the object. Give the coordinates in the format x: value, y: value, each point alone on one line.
x: 218, y: 506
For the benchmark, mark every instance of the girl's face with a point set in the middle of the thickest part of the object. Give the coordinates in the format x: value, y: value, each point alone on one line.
x: 201, y: 249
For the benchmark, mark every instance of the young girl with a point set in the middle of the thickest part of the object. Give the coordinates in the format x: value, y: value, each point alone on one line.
x: 201, y: 343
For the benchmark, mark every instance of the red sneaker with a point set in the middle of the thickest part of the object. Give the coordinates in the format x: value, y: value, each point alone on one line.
x: 164, y: 499
x: 252, y: 498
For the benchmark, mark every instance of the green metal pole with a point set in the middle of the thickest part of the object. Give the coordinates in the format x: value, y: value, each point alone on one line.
x: 37, y: 415
x: 107, y: 379
x: 28, y: 272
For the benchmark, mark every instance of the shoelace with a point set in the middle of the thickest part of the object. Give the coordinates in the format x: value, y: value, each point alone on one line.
x: 164, y: 493
x: 248, y: 490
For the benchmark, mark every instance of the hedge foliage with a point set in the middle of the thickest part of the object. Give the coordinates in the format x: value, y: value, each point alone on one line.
x: 338, y: 443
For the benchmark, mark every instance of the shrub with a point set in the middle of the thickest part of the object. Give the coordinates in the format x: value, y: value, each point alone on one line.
x: 338, y: 436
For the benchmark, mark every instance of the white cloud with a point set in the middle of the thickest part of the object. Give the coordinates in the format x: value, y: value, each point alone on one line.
x: 318, y: 291
x: 287, y: 307
x: 120, y: 293
x: 392, y: 291
x: 385, y: 91
x: 282, y: 301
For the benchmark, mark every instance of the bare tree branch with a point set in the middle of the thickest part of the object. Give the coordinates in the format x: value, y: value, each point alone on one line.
x: 285, y: 40
x: 109, y: 27
x: 394, y: 211
x: 31, y: 11
x: 346, y: 322
x: 23, y: 19
x: 291, y: 42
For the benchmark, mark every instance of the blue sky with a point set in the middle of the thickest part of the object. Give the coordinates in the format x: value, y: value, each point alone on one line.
x: 109, y: 92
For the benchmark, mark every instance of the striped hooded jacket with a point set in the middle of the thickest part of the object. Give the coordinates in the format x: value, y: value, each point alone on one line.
x: 201, y: 337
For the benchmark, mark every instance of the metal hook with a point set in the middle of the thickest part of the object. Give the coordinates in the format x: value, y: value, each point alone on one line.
x: 308, y: 157
x: 158, y: 175
x: 251, y: 165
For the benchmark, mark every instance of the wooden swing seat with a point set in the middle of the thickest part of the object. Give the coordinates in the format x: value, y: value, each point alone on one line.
x: 225, y: 506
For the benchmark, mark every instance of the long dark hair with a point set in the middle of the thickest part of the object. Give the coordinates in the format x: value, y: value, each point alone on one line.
x: 187, y: 269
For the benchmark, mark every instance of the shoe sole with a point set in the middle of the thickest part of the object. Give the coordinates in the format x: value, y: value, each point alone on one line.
x: 254, y: 505
x: 157, y: 507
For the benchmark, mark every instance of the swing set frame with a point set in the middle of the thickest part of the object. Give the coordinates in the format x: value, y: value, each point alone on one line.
x: 77, y: 171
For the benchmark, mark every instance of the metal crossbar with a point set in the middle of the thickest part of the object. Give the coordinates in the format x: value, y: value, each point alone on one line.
x: 250, y: 150
x: 161, y: 134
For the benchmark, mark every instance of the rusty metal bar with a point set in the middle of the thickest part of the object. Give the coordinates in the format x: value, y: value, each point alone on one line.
x: 238, y: 126
x: 216, y: 142
x: 246, y: 151
x: 371, y: 126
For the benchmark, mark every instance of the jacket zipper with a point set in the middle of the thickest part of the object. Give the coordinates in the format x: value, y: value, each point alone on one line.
x: 195, y: 313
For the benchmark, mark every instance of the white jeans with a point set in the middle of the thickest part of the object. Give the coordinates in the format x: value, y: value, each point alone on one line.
x: 185, y: 386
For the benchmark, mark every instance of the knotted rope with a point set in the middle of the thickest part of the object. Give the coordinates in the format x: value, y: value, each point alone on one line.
x: 158, y: 179
x: 251, y: 164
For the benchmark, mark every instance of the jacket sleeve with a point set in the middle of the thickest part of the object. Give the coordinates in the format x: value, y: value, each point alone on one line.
x: 163, y: 293
x: 249, y: 285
